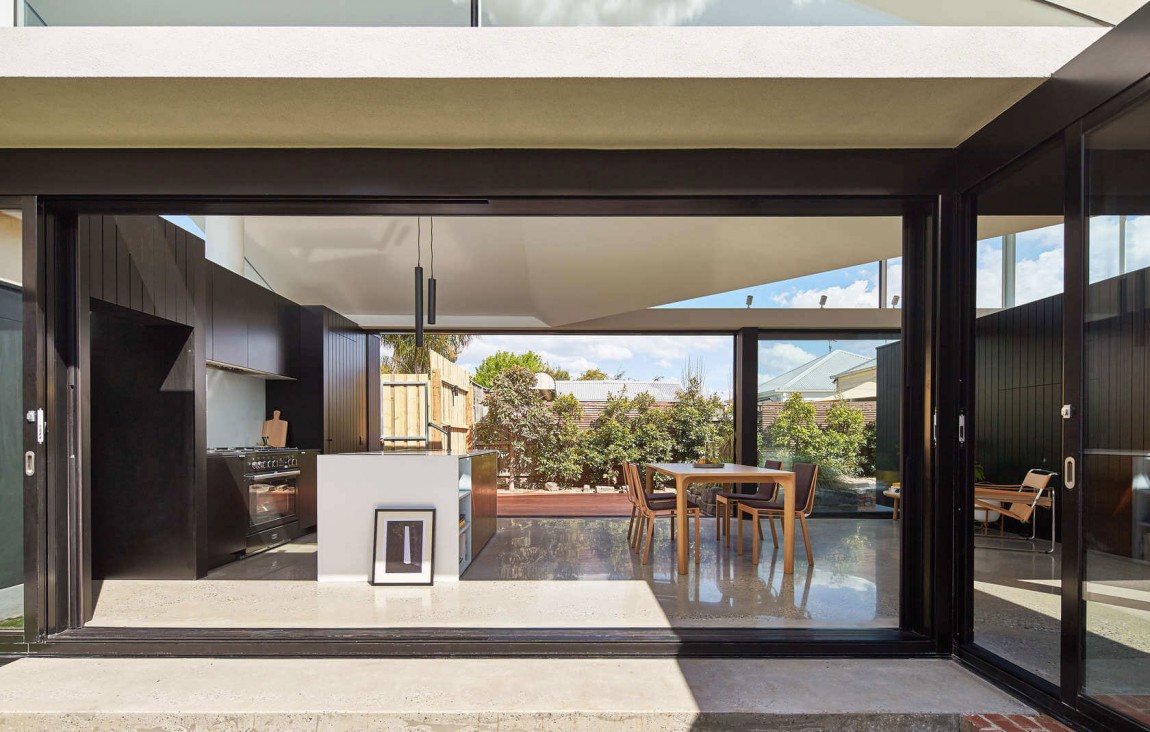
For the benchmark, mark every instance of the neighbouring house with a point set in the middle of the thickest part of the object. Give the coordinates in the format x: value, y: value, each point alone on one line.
x: 859, y: 383
x: 814, y: 379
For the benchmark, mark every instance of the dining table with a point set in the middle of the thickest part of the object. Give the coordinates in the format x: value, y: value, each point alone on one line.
x: 727, y: 473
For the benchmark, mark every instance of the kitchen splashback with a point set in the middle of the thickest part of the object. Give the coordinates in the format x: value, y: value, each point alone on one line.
x: 236, y: 408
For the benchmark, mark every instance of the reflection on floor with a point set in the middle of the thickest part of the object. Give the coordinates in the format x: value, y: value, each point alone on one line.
x: 524, y: 579
x: 1017, y: 615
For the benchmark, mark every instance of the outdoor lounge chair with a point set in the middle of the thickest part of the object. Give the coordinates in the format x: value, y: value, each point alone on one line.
x: 806, y: 476
x: 651, y: 506
x: 725, y: 501
x: 1034, y: 492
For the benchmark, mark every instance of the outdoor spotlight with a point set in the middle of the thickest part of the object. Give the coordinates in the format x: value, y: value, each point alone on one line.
x: 894, y: 301
x: 750, y: 299
x: 823, y: 301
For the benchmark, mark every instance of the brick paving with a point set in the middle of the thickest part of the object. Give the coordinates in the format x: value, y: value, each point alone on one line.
x: 1010, y: 723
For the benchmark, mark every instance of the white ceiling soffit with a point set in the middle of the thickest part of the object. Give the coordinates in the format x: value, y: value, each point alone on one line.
x: 548, y: 271
x: 764, y: 87
x: 992, y: 226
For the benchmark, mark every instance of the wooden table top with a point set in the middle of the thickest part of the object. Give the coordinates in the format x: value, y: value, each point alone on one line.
x: 727, y: 472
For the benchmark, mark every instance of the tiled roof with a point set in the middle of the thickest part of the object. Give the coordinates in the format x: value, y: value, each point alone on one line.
x: 816, y: 375
x: 597, y: 391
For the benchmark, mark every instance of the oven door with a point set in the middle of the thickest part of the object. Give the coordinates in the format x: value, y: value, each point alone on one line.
x: 272, y: 499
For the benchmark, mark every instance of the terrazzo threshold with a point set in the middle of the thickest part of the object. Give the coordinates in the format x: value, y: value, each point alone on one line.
x: 638, y: 695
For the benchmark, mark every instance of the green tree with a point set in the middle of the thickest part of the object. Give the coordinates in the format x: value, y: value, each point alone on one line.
x: 838, y: 448
x: 844, y: 438
x: 532, y: 361
x: 700, y: 425
x: 795, y: 429
x: 517, y: 419
x: 406, y: 358
x: 610, y: 440
x: 592, y: 374
x: 556, y: 455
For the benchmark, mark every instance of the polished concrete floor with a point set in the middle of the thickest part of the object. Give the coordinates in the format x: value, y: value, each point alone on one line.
x: 1018, y: 615
x: 546, y: 573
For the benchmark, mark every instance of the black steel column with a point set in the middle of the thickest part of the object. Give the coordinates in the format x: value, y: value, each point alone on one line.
x: 746, y: 397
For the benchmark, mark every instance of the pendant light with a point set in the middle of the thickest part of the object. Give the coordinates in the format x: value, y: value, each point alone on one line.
x: 431, y: 282
x: 418, y: 283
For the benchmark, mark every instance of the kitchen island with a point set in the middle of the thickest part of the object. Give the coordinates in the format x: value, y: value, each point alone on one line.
x: 460, y: 487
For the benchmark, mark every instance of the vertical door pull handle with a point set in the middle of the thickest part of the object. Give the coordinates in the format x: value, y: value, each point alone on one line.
x: 29, y: 463
x: 1068, y: 472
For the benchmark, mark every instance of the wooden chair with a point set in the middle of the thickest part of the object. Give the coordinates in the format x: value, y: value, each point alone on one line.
x: 651, y: 507
x: 1033, y: 492
x: 725, y: 500
x: 635, y: 482
x: 806, y: 476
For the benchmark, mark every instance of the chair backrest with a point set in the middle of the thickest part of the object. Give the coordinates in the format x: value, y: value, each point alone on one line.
x: 628, y: 471
x: 806, y: 476
x: 769, y: 490
x: 635, y: 485
x: 1035, y: 483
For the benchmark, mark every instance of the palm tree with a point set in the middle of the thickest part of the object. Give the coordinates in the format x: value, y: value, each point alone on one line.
x: 406, y: 358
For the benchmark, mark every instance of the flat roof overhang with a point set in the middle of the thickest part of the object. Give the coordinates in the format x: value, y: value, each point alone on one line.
x: 591, y: 88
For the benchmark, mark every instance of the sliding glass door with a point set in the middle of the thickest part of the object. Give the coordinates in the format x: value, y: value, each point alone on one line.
x: 1113, y: 276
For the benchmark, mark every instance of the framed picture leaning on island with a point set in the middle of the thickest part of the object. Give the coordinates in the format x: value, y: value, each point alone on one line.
x: 404, y: 547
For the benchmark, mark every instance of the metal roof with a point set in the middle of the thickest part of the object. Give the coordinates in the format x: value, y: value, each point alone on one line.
x: 870, y: 363
x: 813, y: 376
x: 597, y: 391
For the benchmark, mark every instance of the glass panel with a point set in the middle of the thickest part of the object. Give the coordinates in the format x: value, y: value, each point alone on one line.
x: 758, y: 12
x: 11, y: 422
x: 1116, y: 456
x: 894, y: 282
x: 850, y: 287
x: 835, y: 404
x: 1017, y: 432
x: 248, y: 13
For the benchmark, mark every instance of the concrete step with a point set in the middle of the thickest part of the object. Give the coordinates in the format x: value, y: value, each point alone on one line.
x: 637, y: 695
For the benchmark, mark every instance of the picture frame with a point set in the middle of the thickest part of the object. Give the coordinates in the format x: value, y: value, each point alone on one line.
x: 403, y: 547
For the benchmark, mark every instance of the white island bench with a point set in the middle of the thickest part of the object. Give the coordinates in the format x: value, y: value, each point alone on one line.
x: 351, y: 486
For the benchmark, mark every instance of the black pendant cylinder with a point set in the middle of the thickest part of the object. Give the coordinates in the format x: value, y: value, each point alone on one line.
x: 431, y: 301
x: 419, y: 307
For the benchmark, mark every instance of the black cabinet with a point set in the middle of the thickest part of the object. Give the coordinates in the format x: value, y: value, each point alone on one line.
x: 327, y: 405
x: 250, y: 326
x: 229, y: 317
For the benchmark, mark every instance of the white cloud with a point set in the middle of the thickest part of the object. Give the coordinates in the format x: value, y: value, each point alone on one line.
x: 779, y: 358
x: 593, y: 12
x: 858, y: 294
x: 1038, y: 278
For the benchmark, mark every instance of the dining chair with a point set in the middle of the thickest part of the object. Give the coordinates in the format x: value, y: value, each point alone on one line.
x: 651, y: 507
x: 806, y: 477
x: 725, y: 501
x: 633, y: 479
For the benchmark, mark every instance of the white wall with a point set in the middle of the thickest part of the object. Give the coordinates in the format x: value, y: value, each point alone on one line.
x: 236, y: 409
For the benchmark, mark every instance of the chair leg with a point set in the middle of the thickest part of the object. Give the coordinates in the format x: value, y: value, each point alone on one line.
x: 719, y: 505
x: 1001, y: 526
x: 698, y: 549
x: 727, y: 520
x: 640, y: 527
x: 631, y: 523
x: 674, y: 516
x: 807, y: 540
x: 774, y: 536
x: 756, y: 537
x: 739, y: 519
x: 650, y: 539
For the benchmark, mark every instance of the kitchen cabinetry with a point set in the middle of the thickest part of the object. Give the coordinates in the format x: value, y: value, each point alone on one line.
x: 251, y: 327
x: 327, y: 406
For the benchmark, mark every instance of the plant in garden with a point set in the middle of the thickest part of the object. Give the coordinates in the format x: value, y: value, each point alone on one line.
x: 795, y: 429
x: 556, y: 455
x: 610, y: 440
x: 844, y: 438
x: 517, y: 418
x: 502, y: 360
x: 593, y: 374
x: 701, y: 425
x: 837, y: 447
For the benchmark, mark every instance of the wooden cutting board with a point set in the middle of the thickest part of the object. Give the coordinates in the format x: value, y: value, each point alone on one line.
x: 275, y: 431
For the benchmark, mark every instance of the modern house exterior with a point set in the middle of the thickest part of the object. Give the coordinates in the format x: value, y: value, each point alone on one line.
x: 579, y: 179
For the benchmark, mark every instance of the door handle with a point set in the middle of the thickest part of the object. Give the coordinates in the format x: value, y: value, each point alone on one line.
x: 29, y: 463
x: 1069, y: 469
